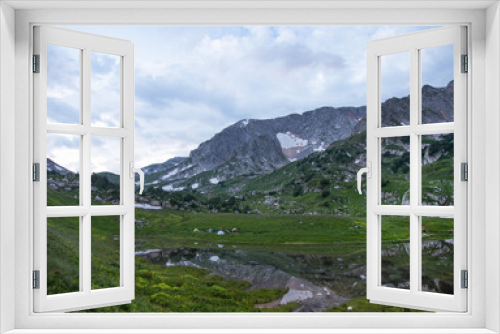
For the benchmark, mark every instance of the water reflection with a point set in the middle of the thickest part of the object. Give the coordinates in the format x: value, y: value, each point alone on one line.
x: 319, y: 277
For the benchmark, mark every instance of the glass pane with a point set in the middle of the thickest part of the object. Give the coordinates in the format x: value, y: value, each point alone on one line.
x: 105, y: 90
x: 395, y: 89
x: 437, y: 254
x: 105, y: 252
x: 395, y: 254
x: 395, y: 170
x: 437, y: 170
x: 63, y: 167
x: 437, y: 84
x: 105, y: 163
x: 63, y: 254
x: 63, y: 84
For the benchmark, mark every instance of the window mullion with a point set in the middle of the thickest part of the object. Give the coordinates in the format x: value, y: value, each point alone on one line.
x: 414, y: 170
x: 86, y: 176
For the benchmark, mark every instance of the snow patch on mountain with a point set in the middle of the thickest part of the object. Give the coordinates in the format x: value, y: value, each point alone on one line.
x: 147, y: 206
x: 214, y: 180
x: 289, y: 140
x: 170, y: 187
x: 195, y: 185
x: 170, y: 174
x: 321, y: 147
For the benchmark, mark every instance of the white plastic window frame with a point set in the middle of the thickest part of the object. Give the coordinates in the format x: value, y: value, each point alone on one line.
x: 86, y: 297
x: 474, y: 318
x: 413, y: 44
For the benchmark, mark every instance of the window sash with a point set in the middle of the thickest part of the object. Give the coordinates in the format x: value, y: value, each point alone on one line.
x: 414, y: 298
x: 85, y: 298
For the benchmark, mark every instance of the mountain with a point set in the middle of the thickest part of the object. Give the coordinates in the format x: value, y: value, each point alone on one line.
x: 55, y: 168
x: 437, y: 107
x: 154, y: 172
x: 163, y: 166
x: 254, y: 147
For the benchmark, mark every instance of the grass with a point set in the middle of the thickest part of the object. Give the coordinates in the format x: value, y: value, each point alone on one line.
x: 251, y: 229
x: 184, y: 289
x: 59, y: 198
x: 158, y: 288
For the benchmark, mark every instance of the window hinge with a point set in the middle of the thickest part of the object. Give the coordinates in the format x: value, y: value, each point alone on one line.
x: 465, y: 64
x: 36, y: 172
x: 36, y: 279
x: 465, y: 279
x: 464, y: 171
x: 36, y: 63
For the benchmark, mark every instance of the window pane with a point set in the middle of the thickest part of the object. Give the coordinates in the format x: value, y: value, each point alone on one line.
x: 437, y: 170
x: 395, y: 89
x: 63, y: 254
x: 105, y: 160
x: 437, y: 84
x: 63, y: 167
x: 437, y: 254
x: 395, y: 170
x: 395, y: 255
x: 105, y: 90
x: 105, y: 252
x: 63, y: 84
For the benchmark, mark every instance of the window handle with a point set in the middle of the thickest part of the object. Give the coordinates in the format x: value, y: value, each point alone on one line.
x: 368, y: 171
x: 141, y: 176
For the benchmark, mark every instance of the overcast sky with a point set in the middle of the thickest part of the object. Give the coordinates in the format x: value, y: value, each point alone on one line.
x: 191, y: 82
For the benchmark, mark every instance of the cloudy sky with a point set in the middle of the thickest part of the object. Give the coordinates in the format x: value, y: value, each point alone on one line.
x: 191, y: 82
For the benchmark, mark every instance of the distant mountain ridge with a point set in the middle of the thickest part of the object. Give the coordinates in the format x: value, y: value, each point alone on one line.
x: 437, y: 107
x: 261, y: 146
x: 253, y: 147
x: 55, y: 168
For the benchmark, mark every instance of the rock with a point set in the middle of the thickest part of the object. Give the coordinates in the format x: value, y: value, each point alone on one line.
x: 295, y: 295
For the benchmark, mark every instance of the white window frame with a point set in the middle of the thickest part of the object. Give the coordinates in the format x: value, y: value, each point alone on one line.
x: 413, y: 44
x: 484, y: 103
x: 85, y: 298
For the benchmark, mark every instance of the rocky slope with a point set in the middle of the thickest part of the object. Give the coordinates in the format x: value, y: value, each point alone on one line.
x: 437, y: 107
x: 255, y: 147
x: 261, y: 146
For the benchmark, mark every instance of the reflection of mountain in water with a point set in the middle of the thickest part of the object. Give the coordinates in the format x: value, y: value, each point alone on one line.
x: 317, y: 281
x: 249, y: 266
